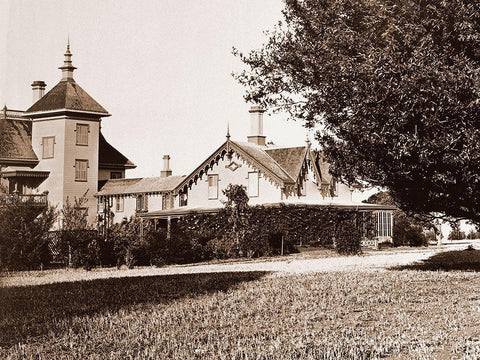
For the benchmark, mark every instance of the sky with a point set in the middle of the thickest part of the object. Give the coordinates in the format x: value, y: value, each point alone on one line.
x: 161, y: 68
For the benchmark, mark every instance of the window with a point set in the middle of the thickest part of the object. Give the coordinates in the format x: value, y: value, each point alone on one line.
x: 384, y: 224
x: 119, y: 204
x: 213, y: 186
x: 253, y: 184
x: 81, y: 170
x: 142, y: 203
x: 47, y: 147
x: 82, y: 134
x: 183, y: 199
x: 115, y: 174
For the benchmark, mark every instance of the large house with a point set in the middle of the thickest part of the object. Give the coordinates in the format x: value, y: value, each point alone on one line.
x: 55, y: 150
x: 272, y: 176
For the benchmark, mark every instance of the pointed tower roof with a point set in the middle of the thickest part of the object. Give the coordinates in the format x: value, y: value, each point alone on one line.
x: 66, y: 96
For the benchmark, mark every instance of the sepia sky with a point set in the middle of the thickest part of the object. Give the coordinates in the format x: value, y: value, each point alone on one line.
x: 161, y: 68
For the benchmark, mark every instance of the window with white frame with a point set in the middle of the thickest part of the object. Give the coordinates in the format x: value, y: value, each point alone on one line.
x: 142, y: 203
x: 81, y: 167
x: 213, y: 187
x: 183, y: 199
x: 82, y: 134
x: 253, y: 185
x: 47, y: 147
x: 119, y: 204
x: 384, y: 224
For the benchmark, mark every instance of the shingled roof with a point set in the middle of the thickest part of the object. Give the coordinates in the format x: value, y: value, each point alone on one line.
x: 139, y: 186
x: 262, y: 157
x: 290, y: 159
x: 67, y: 95
x: 16, y: 139
x: 111, y: 158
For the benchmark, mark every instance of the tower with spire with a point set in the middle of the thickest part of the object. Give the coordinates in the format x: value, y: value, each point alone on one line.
x: 66, y: 138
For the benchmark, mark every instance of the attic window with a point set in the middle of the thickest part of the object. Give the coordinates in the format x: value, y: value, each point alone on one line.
x: 212, y: 187
x: 82, y: 134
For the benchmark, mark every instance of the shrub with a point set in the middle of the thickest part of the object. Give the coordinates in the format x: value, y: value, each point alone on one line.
x: 24, y: 228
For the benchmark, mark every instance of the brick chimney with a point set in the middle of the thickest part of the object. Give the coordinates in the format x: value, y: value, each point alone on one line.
x: 166, y: 172
x: 256, y: 126
x: 38, y: 88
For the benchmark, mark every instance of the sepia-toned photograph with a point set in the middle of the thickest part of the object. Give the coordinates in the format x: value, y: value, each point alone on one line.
x: 240, y: 179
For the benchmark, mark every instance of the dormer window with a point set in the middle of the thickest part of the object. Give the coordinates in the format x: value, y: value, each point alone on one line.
x: 82, y: 134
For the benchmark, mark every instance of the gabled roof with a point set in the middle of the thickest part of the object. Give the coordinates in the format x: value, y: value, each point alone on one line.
x: 259, y: 155
x: 111, y: 158
x: 67, y: 95
x: 139, y: 186
x: 258, y: 158
x: 16, y: 139
x: 290, y: 159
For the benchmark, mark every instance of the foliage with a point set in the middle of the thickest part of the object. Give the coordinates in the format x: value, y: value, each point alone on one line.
x: 352, y: 314
x: 408, y: 229
x: 237, y: 209
x: 128, y: 243
x: 456, y: 233
x: 79, y: 245
x: 23, y: 234
x: 398, y: 77
x: 263, y: 229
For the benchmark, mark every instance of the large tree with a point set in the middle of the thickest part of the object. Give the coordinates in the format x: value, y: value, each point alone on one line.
x: 395, y: 88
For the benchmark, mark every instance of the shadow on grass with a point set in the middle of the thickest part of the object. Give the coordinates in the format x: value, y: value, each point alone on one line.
x: 465, y: 260
x: 31, y: 311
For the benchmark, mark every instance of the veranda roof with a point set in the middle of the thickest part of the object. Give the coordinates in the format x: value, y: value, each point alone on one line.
x: 139, y: 186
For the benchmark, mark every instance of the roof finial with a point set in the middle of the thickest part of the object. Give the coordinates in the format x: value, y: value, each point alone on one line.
x: 228, y: 130
x: 67, y: 68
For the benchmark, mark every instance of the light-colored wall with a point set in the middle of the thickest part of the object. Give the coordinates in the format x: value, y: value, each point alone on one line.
x: 130, y: 204
x: 54, y: 184
x: 61, y: 181
x: 198, y: 194
x: 104, y: 174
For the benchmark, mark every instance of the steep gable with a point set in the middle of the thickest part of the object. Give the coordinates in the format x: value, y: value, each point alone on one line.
x: 290, y: 159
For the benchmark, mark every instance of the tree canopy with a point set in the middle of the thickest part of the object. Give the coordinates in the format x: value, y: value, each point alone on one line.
x: 395, y: 88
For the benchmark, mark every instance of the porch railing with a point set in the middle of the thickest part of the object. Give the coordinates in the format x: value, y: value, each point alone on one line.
x: 35, y: 199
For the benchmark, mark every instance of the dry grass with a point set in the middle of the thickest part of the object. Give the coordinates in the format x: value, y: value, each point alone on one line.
x: 333, y: 315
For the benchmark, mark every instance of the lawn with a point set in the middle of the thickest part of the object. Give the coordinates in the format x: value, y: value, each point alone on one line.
x: 392, y: 314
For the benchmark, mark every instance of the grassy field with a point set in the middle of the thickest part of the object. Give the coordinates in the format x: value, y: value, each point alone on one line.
x: 393, y: 314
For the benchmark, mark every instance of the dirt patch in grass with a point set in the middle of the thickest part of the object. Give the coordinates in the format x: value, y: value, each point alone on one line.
x: 464, y: 260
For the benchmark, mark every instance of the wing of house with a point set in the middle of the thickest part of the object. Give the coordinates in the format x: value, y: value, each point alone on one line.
x: 271, y: 175
x: 56, y: 146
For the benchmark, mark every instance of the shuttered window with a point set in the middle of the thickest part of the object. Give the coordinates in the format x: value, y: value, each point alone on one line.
x: 82, y: 134
x: 47, y: 147
x: 81, y: 167
x: 213, y: 186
